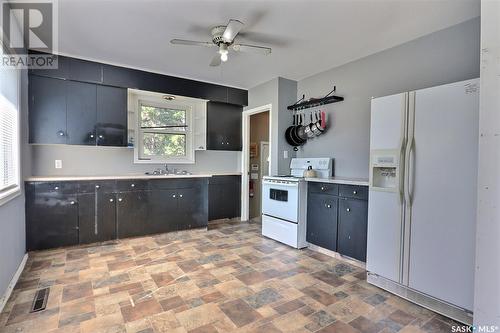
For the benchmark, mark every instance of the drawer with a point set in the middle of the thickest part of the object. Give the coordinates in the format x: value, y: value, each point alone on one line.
x: 132, y: 184
x: 62, y: 187
x: 172, y: 184
x: 353, y: 191
x: 326, y: 188
x: 224, y: 179
x: 99, y: 185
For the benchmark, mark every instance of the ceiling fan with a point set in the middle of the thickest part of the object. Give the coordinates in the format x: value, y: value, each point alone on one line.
x: 223, y: 37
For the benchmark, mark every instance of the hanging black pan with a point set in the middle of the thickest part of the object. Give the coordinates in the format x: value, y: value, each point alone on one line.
x: 297, y: 133
x: 288, y: 135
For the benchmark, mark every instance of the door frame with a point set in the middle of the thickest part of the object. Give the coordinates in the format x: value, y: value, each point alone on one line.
x: 245, y: 159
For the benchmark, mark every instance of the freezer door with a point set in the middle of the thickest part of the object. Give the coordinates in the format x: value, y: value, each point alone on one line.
x: 385, y: 208
x: 384, y: 241
x: 442, y: 189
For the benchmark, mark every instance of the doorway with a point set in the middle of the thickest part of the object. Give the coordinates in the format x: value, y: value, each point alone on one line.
x: 256, y: 159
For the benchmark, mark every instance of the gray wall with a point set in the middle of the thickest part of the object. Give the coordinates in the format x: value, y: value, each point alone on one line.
x: 84, y: 161
x: 280, y: 93
x: 12, y: 221
x: 442, y: 57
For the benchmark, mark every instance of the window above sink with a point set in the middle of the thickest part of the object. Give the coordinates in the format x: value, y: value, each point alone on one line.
x: 164, y: 130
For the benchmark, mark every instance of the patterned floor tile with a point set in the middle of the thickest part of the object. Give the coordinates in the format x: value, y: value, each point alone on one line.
x: 226, y: 279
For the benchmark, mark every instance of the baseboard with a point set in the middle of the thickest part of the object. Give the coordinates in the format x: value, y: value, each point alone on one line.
x: 337, y: 255
x: 12, y: 283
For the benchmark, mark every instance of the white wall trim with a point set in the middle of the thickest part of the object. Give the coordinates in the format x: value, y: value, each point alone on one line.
x: 245, y: 160
x: 12, y: 283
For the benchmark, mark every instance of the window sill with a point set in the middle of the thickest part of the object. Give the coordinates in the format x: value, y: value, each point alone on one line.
x: 10, y: 194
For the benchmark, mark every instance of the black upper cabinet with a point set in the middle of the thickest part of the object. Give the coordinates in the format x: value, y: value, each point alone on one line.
x: 81, y: 113
x: 111, y: 116
x: 61, y: 72
x: 85, y: 71
x: 224, y: 126
x: 47, y: 110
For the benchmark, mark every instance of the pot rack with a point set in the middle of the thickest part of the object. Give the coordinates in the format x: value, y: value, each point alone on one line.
x: 311, y: 103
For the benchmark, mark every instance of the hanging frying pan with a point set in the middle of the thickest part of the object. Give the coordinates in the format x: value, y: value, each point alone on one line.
x: 288, y: 136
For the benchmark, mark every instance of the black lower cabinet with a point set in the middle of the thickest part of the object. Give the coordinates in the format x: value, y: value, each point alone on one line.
x: 132, y: 213
x: 338, y: 220
x: 322, y: 220
x: 52, y: 221
x: 352, y: 229
x: 192, y: 208
x: 163, y: 205
x: 70, y: 213
x: 224, y: 197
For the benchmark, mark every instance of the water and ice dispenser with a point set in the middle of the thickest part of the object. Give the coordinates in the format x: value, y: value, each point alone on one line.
x: 384, y: 170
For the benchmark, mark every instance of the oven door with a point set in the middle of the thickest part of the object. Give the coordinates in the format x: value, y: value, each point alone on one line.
x: 280, y: 200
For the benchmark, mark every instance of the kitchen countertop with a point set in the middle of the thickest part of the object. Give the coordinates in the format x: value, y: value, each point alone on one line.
x: 340, y: 180
x: 129, y: 176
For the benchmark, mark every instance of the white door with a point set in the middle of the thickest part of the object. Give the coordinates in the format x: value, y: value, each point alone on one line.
x: 385, y: 218
x: 443, y: 168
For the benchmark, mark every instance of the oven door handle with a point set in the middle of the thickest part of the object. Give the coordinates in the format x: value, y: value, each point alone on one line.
x: 278, y: 184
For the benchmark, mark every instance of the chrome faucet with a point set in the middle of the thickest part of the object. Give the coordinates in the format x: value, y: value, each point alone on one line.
x: 166, y: 169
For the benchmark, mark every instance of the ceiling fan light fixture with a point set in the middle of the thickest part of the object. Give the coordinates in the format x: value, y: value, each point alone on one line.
x: 223, y: 52
x: 223, y: 57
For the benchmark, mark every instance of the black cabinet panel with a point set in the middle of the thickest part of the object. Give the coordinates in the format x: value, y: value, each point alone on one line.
x: 325, y: 188
x: 352, y: 228
x: 47, y: 110
x: 111, y: 116
x: 322, y: 220
x: 163, y: 211
x: 96, y: 217
x: 132, y: 213
x: 223, y: 126
x: 354, y: 191
x: 85, y: 71
x: 237, y: 96
x: 224, y: 197
x: 61, y: 72
x: 87, y: 218
x: 52, y: 221
x: 81, y: 113
x: 192, y: 208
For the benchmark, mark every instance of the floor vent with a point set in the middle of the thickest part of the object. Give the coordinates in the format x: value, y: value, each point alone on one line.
x: 40, y: 300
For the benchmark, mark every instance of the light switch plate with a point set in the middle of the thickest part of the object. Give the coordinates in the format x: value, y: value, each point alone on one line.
x: 285, y: 153
x: 58, y: 164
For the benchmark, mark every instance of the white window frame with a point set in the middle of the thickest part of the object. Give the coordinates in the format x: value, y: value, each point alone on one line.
x: 15, y: 190
x: 189, y: 133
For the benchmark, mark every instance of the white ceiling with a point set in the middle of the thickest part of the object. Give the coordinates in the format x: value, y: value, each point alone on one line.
x: 307, y: 36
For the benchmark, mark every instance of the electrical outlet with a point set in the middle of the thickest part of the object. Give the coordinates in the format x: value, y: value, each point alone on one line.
x: 58, y: 164
x: 285, y: 153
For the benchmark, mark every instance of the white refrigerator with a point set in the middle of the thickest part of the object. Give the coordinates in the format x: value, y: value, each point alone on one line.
x: 422, y: 196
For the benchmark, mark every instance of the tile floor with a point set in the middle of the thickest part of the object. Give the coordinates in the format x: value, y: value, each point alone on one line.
x: 227, y: 279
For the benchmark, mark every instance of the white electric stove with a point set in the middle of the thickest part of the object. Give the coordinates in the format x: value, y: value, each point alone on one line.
x: 284, y: 201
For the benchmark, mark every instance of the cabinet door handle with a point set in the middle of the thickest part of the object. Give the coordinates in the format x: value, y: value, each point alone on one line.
x: 349, y: 236
x: 111, y: 200
x: 97, y: 187
x: 180, y: 195
x: 72, y: 202
x: 132, y: 185
x: 77, y: 228
x: 120, y: 199
x: 328, y: 206
x: 91, y: 136
x: 348, y: 209
x: 323, y: 188
x: 60, y: 133
x: 173, y: 195
x: 56, y: 188
x: 101, y: 136
x: 354, y: 192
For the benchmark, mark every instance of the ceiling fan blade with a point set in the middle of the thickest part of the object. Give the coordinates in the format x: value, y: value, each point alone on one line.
x: 232, y: 29
x: 215, y: 60
x: 191, y: 43
x: 251, y: 49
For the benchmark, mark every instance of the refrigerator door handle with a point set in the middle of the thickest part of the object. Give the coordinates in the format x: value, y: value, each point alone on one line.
x: 410, y: 159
